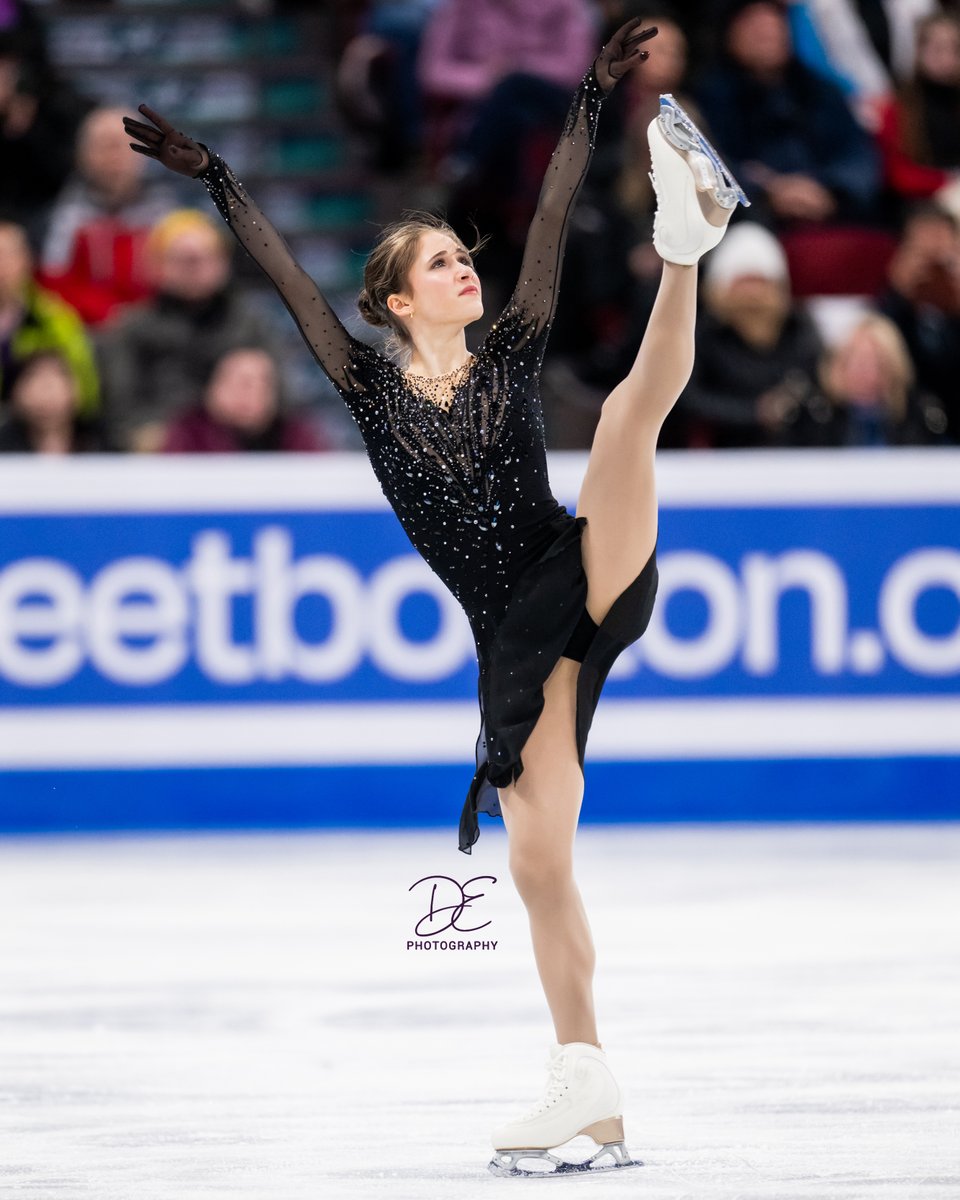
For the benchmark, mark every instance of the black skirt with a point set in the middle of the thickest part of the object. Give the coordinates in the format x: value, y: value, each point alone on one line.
x: 546, y: 619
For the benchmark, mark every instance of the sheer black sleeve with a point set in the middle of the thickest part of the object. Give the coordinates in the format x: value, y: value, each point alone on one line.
x: 531, y: 307
x: 346, y: 360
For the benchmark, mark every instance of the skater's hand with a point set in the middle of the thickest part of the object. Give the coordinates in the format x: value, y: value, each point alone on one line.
x: 622, y: 53
x: 164, y: 143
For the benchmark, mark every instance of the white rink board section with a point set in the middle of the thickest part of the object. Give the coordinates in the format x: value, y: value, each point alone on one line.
x: 321, y: 482
x: 238, y: 1016
x: 331, y: 734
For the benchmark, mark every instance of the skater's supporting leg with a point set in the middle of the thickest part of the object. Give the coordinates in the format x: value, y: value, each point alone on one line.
x: 540, y: 812
x: 618, y: 496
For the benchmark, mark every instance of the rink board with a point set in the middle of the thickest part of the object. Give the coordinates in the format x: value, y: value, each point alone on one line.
x: 801, y: 790
x: 205, y: 643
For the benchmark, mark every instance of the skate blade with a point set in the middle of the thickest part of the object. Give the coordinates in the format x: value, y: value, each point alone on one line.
x: 714, y: 174
x: 505, y: 1162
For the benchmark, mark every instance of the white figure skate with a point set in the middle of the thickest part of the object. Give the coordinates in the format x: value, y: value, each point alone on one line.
x: 696, y: 194
x: 582, y: 1097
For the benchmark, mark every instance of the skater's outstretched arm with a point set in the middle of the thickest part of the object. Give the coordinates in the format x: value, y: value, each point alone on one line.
x: 534, y: 298
x: 333, y: 347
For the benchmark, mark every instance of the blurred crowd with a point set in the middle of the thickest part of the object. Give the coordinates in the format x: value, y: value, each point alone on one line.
x: 829, y: 316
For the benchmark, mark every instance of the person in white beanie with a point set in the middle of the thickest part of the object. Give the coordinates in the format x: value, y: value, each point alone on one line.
x: 755, y: 345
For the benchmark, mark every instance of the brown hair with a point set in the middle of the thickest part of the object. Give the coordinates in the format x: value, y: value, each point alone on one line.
x: 914, y: 139
x: 388, y: 266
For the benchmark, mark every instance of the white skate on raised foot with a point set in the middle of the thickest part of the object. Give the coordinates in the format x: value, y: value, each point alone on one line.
x: 582, y: 1097
x: 696, y: 193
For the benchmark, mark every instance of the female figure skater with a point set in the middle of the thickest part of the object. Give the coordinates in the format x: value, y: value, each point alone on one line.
x: 457, y: 443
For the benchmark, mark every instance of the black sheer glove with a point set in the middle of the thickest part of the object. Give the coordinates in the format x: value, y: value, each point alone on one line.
x: 622, y: 53
x: 164, y: 143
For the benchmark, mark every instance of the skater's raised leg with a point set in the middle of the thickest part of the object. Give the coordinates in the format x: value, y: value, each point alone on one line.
x: 618, y: 495
x: 695, y: 198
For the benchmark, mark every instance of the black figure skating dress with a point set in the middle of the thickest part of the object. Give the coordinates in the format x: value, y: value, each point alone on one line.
x: 469, y: 484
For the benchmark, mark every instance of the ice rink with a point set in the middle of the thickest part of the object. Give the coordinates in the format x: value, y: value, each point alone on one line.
x: 239, y: 1015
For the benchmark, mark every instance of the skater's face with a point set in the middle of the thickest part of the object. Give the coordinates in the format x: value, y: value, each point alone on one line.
x: 442, y: 286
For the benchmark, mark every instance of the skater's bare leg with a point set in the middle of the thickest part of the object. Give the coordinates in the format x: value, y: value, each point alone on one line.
x: 618, y: 495
x: 540, y: 812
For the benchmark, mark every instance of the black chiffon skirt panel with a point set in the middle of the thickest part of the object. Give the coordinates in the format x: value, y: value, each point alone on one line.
x: 546, y: 619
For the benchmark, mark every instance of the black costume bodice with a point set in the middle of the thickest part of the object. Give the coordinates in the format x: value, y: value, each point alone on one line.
x: 469, y: 485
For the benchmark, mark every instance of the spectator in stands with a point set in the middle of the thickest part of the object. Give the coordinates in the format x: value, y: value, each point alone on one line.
x: 920, y: 130
x: 755, y: 347
x: 32, y: 318
x: 39, y: 115
x: 94, y: 251
x: 377, y: 82
x: 786, y: 132
x: 867, y: 48
x: 240, y: 409
x: 152, y: 356
x: 497, y: 76
x: 471, y: 47
x: 866, y: 395
x: 43, y: 414
x: 923, y: 299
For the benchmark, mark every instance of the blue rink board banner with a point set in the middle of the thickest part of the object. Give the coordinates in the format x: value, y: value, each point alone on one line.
x: 217, y: 642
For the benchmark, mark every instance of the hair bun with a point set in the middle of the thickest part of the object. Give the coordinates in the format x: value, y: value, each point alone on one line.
x: 370, y: 311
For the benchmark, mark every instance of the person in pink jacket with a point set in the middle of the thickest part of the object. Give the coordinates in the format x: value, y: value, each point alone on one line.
x: 470, y: 45
x: 496, y: 77
x: 240, y: 410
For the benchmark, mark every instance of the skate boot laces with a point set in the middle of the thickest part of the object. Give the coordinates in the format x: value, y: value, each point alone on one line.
x: 556, y: 1087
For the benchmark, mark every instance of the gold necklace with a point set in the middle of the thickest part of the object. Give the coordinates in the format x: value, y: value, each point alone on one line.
x: 439, y: 388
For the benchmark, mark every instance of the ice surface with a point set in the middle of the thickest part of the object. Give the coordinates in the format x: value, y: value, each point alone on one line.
x: 238, y: 1015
